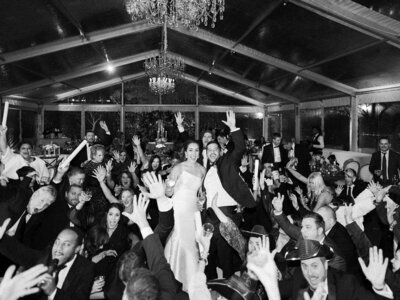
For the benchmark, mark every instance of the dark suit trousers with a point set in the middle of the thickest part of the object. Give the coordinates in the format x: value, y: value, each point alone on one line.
x: 221, y: 254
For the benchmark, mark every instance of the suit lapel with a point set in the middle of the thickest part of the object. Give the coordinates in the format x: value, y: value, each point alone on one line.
x: 71, y: 274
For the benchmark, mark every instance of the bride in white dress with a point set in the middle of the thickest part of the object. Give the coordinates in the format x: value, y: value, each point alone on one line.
x: 181, y: 249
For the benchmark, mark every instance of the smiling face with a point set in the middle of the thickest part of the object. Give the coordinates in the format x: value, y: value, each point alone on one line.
x: 65, y: 246
x: 122, y: 156
x: 26, y: 151
x: 155, y: 164
x: 213, y: 152
x: 207, y: 137
x: 40, y: 200
x: 192, y: 152
x: 310, y: 231
x: 125, y: 180
x: 90, y: 136
x: 384, y: 145
x: 77, y: 179
x: 127, y: 198
x: 314, y: 270
x: 113, y: 216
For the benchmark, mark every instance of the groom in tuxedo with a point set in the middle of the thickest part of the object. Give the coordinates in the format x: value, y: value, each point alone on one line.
x: 223, y: 181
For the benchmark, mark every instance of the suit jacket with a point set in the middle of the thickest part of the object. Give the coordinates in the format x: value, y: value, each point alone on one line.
x: 345, y: 286
x: 393, y: 164
x: 359, y: 186
x: 339, y: 236
x: 81, y: 157
x: 14, y: 207
x: 160, y: 268
x: 294, y: 232
x: 269, y: 157
x: 78, y: 282
x: 363, y: 244
x: 228, y: 171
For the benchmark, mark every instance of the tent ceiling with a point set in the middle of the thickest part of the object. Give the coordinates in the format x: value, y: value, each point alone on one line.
x: 263, y: 52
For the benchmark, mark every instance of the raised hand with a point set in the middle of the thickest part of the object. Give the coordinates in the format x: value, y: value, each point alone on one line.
x: 293, y: 198
x: 298, y: 190
x: 104, y: 126
x: 132, y: 167
x: 154, y: 184
x: 339, y: 189
x: 261, y: 261
x: 109, y: 167
x: 117, y: 189
x: 22, y: 284
x: 136, y: 140
x: 230, y: 120
x: 376, y: 270
x: 277, y: 203
x: 116, y: 155
x: 84, y: 197
x: 100, y: 173
x: 291, y: 164
x: 348, y: 213
x: 382, y: 193
x: 179, y: 119
x: 374, y: 187
x: 138, y: 215
x: 3, y: 130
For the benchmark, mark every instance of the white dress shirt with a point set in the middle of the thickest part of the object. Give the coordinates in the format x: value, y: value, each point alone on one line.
x: 213, y: 185
x: 277, y: 154
x: 61, y: 277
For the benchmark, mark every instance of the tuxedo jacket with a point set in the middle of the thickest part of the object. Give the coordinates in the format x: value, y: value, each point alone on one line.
x: 359, y: 186
x: 268, y: 155
x: 14, y: 207
x: 345, y: 286
x: 340, y: 237
x: 393, y: 164
x: 294, y: 232
x: 228, y: 171
x: 81, y: 157
x: 78, y: 282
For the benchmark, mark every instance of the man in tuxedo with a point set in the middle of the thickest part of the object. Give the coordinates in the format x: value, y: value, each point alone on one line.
x: 385, y: 163
x: 73, y: 275
x: 312, y: 228
x: 184, y: 137
x: 274, y: 153
x: 339, y: 235
x: 223, y: 181
x: 353, y: 186
x: 326, y: 283
x: 105, y: 139
x: 301, y: 153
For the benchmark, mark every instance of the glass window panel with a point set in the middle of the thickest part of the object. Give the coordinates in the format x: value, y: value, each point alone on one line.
x: 274, y: 124
x: 336, y: 127
x: 13, y: 132
x: 68, y: 122
x: 137, y: 92
x: 112, y: 119
x: 308, y: 119
x: 250, y: 123
x: 145, y: 124
x: 288, y: 124
x: 29, y: 123
x: 375, y: 120
x: 185, y: 93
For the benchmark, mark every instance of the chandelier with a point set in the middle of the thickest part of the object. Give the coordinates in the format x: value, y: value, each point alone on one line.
x: 163, y: 69
x: 188, y: 13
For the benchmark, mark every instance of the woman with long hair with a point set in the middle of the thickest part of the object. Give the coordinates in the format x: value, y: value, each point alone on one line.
x: 183, y: 184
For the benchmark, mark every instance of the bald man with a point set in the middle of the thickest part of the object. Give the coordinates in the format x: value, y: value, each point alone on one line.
x: 339, y: 235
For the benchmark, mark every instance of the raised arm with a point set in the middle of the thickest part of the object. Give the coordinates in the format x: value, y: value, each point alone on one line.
x: 291, y: 230
x: 236, y: 137
x: 100, y: 175
x: 138, y: 147
x: 3, y: 139
x: 297, y: 175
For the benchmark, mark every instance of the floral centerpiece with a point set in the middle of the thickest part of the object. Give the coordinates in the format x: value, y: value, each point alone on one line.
x: 51, y: 150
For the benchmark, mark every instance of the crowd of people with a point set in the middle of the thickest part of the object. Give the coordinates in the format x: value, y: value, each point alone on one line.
x: 116, y: 223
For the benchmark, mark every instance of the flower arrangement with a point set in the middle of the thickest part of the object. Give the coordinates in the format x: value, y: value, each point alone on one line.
x: 51, y: 150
